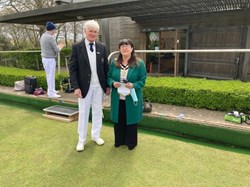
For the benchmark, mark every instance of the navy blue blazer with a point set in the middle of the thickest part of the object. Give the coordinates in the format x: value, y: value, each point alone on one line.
x: 79, y: 67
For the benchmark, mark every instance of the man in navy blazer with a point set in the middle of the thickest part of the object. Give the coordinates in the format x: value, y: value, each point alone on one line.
x: 88, y: 73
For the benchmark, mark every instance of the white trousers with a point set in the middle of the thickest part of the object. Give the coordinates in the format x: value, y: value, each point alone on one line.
x: 49, y: 65
x: 94, y: 98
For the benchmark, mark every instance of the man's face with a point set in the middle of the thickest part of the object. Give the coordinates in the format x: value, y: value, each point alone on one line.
x: 52, y: 32
x: 91, y: 34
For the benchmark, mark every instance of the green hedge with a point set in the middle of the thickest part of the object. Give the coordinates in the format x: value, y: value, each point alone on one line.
x: 9, y: 75
x: 199, y: 93
x: 65, y: 52
x: 191, y: 92
x: 29, y: 60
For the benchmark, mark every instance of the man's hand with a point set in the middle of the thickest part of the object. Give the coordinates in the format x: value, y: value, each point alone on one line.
x: 60, y: 45
x: 78, y: 93
x: 107, y: 91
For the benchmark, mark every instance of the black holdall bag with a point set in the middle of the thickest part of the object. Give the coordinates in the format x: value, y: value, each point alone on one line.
x: 30, y: 84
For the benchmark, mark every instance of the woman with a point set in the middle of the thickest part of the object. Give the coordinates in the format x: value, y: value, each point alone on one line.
x: 129, y: 71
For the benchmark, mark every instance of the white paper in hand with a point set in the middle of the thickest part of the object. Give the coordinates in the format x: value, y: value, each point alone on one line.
x: 122, y: 90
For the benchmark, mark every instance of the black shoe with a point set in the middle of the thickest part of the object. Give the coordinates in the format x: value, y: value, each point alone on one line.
x: 131, y: 147
x: 118, y: 145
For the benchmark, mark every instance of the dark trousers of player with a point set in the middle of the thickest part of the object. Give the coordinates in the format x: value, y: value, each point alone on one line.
x: 124, y: 134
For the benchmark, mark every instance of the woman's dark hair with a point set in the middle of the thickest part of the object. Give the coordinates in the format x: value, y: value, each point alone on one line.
x: 133, y: 59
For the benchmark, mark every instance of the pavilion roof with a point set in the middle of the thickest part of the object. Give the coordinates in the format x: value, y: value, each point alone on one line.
x: 145, y: 12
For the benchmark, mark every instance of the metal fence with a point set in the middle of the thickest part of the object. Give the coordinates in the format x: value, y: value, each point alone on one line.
x: 176, y: 52
x: 147, y: 51
x: 6, y: 60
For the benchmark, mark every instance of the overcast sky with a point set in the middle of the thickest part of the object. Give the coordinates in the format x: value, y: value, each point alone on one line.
x: 3, y: 2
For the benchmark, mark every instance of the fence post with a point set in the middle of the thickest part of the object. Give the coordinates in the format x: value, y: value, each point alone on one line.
x: 37, y: 63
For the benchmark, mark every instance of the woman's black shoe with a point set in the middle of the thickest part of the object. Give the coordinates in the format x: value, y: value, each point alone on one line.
x: 118, y: 145
x: 131, y: 147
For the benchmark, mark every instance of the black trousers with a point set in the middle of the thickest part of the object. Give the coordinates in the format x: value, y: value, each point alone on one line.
x: 124, y: 134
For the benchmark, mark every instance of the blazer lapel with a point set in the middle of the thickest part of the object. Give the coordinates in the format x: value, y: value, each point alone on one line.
x: 130, y: 71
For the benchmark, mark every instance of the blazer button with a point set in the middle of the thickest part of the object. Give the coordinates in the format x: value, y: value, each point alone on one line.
x: 89, y: 75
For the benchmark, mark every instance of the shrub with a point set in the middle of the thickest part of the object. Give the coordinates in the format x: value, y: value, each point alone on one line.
x: 190, y: 92
x: 9, y: 75
x: 199, y: 93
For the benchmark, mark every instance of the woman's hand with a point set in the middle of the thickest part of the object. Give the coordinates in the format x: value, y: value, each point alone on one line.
x: 116, y: 84
x: 129, y: 85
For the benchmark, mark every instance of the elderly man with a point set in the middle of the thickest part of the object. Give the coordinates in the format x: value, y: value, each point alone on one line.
x: 49, y: 50
x: 88, y: 73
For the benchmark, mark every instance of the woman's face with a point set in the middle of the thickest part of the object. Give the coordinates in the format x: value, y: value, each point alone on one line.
x: 126, y: 49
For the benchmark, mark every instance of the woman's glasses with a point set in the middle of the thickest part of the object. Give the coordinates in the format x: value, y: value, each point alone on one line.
x: 125, y: 46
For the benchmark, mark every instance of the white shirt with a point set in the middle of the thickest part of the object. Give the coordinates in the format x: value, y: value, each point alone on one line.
x: 123, y: 76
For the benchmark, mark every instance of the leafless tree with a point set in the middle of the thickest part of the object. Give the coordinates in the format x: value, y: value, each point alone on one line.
x: 23, y: 36
x: 27, y: 36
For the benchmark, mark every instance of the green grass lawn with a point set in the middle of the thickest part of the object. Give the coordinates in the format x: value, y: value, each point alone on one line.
x: 36, y: 151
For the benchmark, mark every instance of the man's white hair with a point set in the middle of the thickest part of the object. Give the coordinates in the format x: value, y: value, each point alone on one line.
x: 91, y: 24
